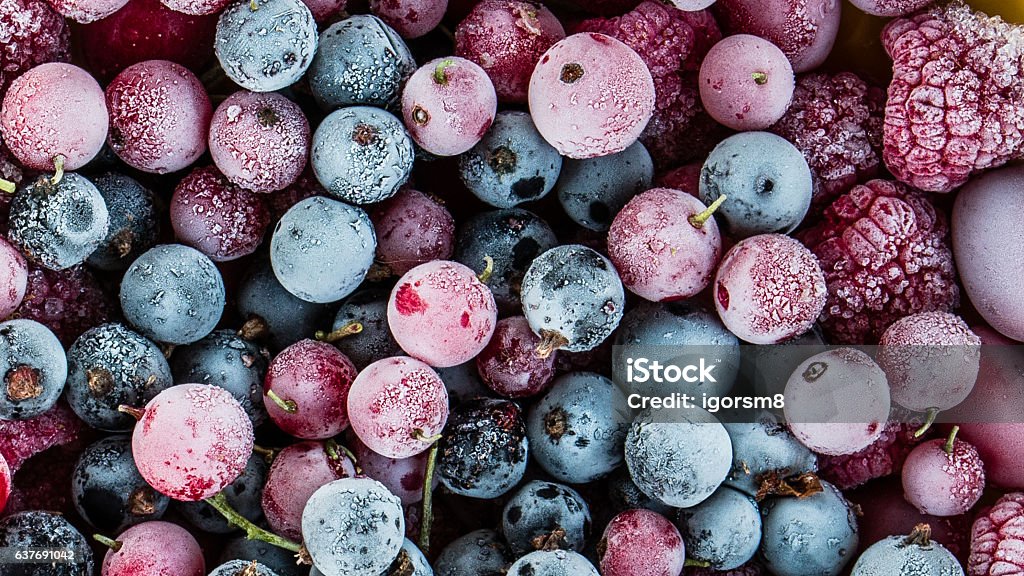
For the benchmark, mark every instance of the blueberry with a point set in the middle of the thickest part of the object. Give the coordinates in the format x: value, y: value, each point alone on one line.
x: 723, y: 530
x: 277, y: 559
x: 765, y: 446
x: 483, y: 453
x: 26, y: 530
x: 480, y: 553
x: 288, y: 318
x: 512, y: 164
x: 592, y: 191
x: 554, y: 515
x: 626, y: 495
x: 360, y: 60
x: 245, y: 495
x: 321, y: 249
x: 134, y: 221
x: 58, y: 225
x: 227, y: 360
x: 361, y: 154
x: 512, y: 238
x: 109, y: 366
x: 552, y: 563
x: 265, y: 45
x: 766, y: 181
x: 243, y: 567
x: 578, y: 428
x: 34, y: 369
x: 108, y: 491
x: 811, y: 536
x: 912, y: 555
x: 173, y: 293
x: 370, y: 309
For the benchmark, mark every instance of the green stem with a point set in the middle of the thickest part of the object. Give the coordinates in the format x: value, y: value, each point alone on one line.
x: 58, y: 169
x: 114, y: 545
x: 268, y: 454
x: 929, y: 419
x: 7, y: 186
x: 440, y: 74
x: 760, y: 78
x: 428, y: 500
x: 948, y: 446
x: 488, y: 270
x: 698, y: 220
x: 690, y: 562
x: 288, y: 406
x: 335, y: 335
x: 252, y: 531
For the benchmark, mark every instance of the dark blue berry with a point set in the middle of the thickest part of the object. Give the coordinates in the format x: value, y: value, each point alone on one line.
x: 815, y: 535
x: 245, y: 495
x: 762, y: 447
x: 35, y: 529
x: 548, y: 514
x: 287, y: 317
x: 480, y: 553
x: 368, y: 308
x: 277, y: 559
x: 227, y: 360
x: 134, y: 222
x: 723, y: 530
x: 483, y: 453
x: 592, y: 191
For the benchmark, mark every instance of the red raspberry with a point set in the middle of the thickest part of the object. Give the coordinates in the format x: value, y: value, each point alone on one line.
x: 23, y: 439
x: 836, y: 121
x: 42, y: 483
x: 885, y: 253
x: 672, y: 43
x: 69, y: 302
x: 883, y: 457
x: 956, y: 101
x: 31, y: 33
x: 997, y: 538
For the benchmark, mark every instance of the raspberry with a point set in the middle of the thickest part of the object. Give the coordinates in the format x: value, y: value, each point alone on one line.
x: 672, y: 43
x: 22, y: 439
x: 997, y: 538
x: 42, y: 483
x: 883, y: 457
x: 886, y: 254
x: 69, y: 302
x: 836, y: 121
x: 956, y: 101
x: 31, y: 33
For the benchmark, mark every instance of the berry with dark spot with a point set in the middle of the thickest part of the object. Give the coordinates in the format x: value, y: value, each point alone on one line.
x: 483, y: 452
x: 33, y: 369
x: 108, y: 491
x: 545, y: 516
x: 134, y: 221
x: 594, y: 190
x: 265, y: 45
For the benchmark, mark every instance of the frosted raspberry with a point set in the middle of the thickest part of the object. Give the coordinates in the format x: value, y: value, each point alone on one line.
x: 672, y: 43
x: 890, y: 7
x: 883, y: 457
x: 886, y: 254
x: 997, y: 539
x: 42, y: 482
x: 31, y: 33
x: 956, y: 101
x: 68, y: 302
x: 22, y: 439
x: 835, y: 120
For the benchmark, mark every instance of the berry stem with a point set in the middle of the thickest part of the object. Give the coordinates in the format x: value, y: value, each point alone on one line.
x: 252, y: 531
x: 921, y: 535
x: 440, y: 71
x: 488, y: 270
x: 7, y: 187
x: 428, y: 500
x: 58, y: 169
x: 693, y: 563
x: 760, y: 78
x: 349, y: 329
x: 929, y: 419
x: 114, y: 545
x: 268, y: 454
x: 136, y: 413
x: 550, y: 341
x: 255, y: 328
x: 698, y: 220
x: 948, y: 446
x: 419, y: 435
x: 288, y: 406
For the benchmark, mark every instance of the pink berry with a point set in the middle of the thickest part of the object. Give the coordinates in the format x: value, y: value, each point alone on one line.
x: 640, y: 542
x: 692, y: 5
x: 298, y: 470
x: 997, y: 538
x: 397, y: 405
x: 85, y: 11
x: 448, y: 104
x: 591, y: 95
x: 412, y: 229
x: 34, y: 33
x: 746, y: 82
x: 769, y: 288
x: 23, y: 439
x: 306, y: 389
x: 404, y: 477
x: 259, y: 140
x: 192, y: 441
x: 13, y: 280
x: 943, y: 483
x: 155, y: 548
x: 447, y: 301
x: 216, y: 217
x: 323, y: 10
x: 837, y: 402
x: 410, y: 18
x: 54, y: 109
x: 804, y: 29
x: 890, y: 7
x: 662, y: 247
x: 5, y: 483
x: 507, y: 38
x: 196, y: 7
x: 68, y: 302
x: 510, y: 365
x: 159, y: 116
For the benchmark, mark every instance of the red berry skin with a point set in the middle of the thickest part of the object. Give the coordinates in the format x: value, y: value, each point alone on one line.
x: 298, y: 470
x: 13, y: 280
x: 68, y: 302
x: 159, y: 116
x: 509, y: 364
x: 943, y: 484
x: 804, y: 29
x: 316, y: 377
x: 23, y: 439
x: 997, y: 539
x: 85, y: 11
x: 640, y: 542
x: 746, y: 82
x: 34, y: 33
x: 412, y: 229
x: 155, y: 548
x: 448, y: 104
x: 5, y: 482
x: 883, y: 457
x: 404, y: 477
x: 410, y: 18
x: 146, y: 30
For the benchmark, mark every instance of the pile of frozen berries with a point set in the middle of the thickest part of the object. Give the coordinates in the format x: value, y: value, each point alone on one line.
x: 335, y: 288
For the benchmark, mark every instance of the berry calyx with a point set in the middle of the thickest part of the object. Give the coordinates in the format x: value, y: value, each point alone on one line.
x: 58, y: 169
x: 920, y: 536
x: 550, y: 341
x: 23, y: 383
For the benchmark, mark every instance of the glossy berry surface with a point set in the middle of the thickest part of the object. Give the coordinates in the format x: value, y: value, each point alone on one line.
x: 33, y: 367
x: 484, y: 451
x: 108, y: 491
x: 412, y: 229
x: 641, y: 538
x: 268, y: 48
x: 746, y: 82
x: 313, y: 379
x: 298, y: 471
x: 593, y: 190
x: 165, y: 549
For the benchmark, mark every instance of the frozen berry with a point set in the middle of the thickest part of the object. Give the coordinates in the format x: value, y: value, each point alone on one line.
x: 996, y: 539
x: 46, y: 530
x: 479, y: 552
x: 306, y: 389
x: 165, y: 549
x: 552, y: 514
x: 226, y: 359
x: 322, y: 11
x: 593, y: 190
x: 411, y: 19
x: 85, y: 11
x: 298, y: 470
x: 412, y: 229
x: 33, y: 368
x: 404, y: 477
x: 762, y: 448
x: 885, y: 252
x: 243, y: 495
x: 259, y: 141
x: 552, y: 563
x: 134, y: 221
x: 23, y: 439
x: 447, y: 105
x: 665, y: 244
x: 746, y: 82
x: 265, y: 45
x: 639, y: 542
x: 5, y: 483
x: 945, y: 123
x: 69, y: 302
x: 507, y: 38
x: 769, y: 288
x: 907, y: 556
x: 943, y: 477
x: 804, y: 29
x: 509, y: 364
x: 216, y: 217
x: 890, y: 7
x: 54, y: 110
x: 483, y: 452
x: 723, y: 530
x: 881, y: 458
x: 816, y: 534
x: 34, y: 33
x: 574, y: 76
x: 14, y: 279
x: 447, y: 300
